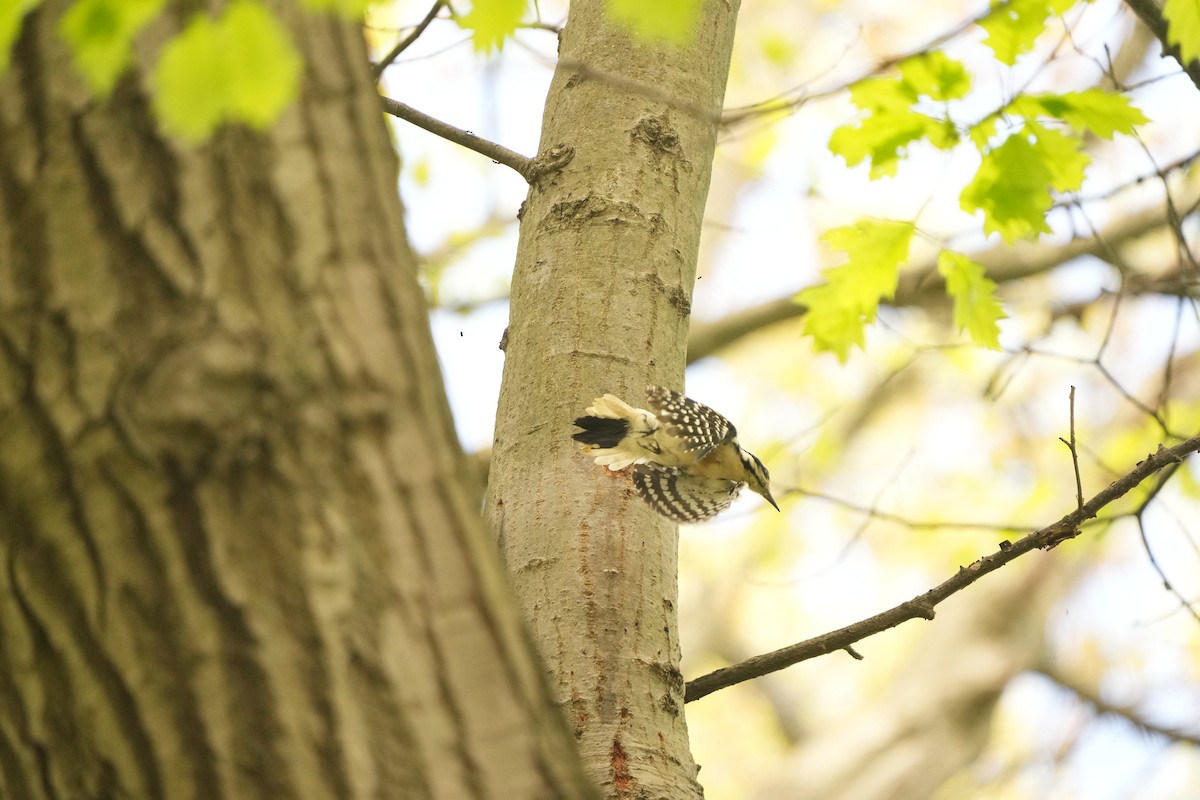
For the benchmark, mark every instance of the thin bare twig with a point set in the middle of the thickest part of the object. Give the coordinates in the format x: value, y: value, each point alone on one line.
x: 1141, y: 523
x: 922, y: 606
x: 404, y: 43
x: 1074, y: 454
x: 796, y: 98
x: 871, y: 512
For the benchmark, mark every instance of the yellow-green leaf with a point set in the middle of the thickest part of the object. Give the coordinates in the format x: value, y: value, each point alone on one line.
x: 834, y: 327
x: 1063, y: 156
x: 882, y: 94
x: 190, y: 81
x: 1014, y: 27
x: 241, y: 67
x: 840, y: 309
x: 892, y: 123
x: 671, y: 21
x: 1094, y: 110
x: 982, y: 132
x: 1012, y: 189
x: 881, y: 138
x: 1183, y: 27
x: 976, y: 309
x: 875, y: 249
x: 100, y: 33
x: 12, y: 14
x: 491, y: 22
x: 265, y: 67
x: 936, y: 76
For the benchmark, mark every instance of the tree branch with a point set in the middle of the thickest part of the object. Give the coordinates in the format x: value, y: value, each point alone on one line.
x: 498, y: 153
x: 923, y: 605
x: 1158, y: 568
x: 1074, y: 454
x: 1091, y: 696
x: 1151, y: 16
x: 530, y: 169
x: 404, y: 43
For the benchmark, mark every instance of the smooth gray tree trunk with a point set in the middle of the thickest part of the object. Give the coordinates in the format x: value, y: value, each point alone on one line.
x: 600, y: 303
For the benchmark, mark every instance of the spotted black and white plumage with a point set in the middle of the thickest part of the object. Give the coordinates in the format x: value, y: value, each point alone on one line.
x: 679, y: 496
x: 697, y: 427
x: 688, y: 465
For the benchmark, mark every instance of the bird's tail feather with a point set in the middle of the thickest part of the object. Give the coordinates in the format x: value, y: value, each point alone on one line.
x: 612, y: 430
x: 600, y: 431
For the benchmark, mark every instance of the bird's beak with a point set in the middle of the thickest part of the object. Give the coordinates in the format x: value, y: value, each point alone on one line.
x: 771, y: 500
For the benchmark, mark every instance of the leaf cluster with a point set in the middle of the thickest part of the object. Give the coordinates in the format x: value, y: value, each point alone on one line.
x: 1030, y: 149
x: 238, y: 66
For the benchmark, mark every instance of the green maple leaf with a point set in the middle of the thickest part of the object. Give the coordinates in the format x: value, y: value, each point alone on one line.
x: 1101, y: 113
x: 1014, y: 27
x: 840, y: 309
x: 240, y: 67
x: 891, y: 124
x: 834, y: 327
x: 101, y: 32
x: 1063, y: 156
x: 1012, y: 185
x: 12, y: 14
x: 976, y: 309
x: 936, y: 76
x: 1183, y: 27
x: 491, y: 22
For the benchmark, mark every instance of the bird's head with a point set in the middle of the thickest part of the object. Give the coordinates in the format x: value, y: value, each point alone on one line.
x: 757, y: 477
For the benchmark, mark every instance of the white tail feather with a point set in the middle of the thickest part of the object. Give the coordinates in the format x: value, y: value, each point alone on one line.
x: 630, y: 449
x: 612, y: 407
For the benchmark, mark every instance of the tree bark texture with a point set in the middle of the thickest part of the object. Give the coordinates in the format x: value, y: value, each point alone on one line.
x: 237, y: 559
x: 600, y: 303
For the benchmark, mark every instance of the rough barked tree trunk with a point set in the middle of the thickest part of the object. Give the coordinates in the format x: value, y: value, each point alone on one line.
x: 600, y: 303
x: 236, y: 560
